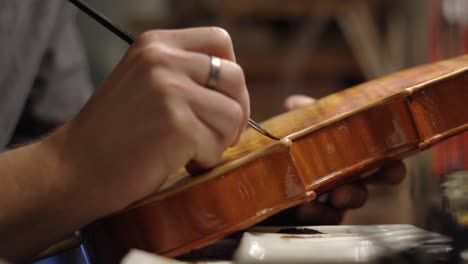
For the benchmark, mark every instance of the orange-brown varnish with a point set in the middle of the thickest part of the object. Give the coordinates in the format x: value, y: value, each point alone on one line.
x: 335, y: 140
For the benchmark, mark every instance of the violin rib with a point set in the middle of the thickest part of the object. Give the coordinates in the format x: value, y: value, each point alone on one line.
x: 335, y: 140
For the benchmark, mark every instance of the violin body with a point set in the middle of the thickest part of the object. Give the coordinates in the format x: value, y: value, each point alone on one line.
x: 338, y: 139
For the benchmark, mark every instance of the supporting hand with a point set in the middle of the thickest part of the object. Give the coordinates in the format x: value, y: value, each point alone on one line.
x: 330, y: 207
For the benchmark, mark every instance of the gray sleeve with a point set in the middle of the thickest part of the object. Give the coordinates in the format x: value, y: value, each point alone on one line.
x: 63, y: 84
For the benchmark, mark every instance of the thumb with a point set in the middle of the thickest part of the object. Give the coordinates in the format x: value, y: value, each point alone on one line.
x: 297, y: 101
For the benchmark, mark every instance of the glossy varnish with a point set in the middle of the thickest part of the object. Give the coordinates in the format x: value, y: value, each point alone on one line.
x: 338, y: 139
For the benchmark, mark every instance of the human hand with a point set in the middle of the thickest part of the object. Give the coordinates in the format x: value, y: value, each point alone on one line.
x: 153, y: 115
x: 329, y: 208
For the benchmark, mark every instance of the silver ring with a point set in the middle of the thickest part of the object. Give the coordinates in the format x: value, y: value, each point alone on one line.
x: 215, y: 68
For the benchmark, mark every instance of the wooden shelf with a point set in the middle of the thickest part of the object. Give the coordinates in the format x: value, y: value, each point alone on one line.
x: 291, y: 8
x: 265, y: 34
x: 322, y: 66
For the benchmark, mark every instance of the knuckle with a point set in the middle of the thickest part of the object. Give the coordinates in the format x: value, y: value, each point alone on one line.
x: 238, y: 74
x: 147, y: 38
x: 144, y: 39
x: 152, y: 51
x: 156, y: 55
x: 234, y: 76
x: 237, y: 114
x: 221, y: 35
x: 168, y: 88
x: 235, y: 117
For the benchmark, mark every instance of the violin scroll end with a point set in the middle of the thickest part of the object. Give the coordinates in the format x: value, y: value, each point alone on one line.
x: 311, y: 195
x: 286, y: 141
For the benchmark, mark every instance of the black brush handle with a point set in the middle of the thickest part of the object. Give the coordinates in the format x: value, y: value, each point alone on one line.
x: 127, y: 37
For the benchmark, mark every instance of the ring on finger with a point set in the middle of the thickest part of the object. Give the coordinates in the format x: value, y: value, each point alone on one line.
x: 215, y: 68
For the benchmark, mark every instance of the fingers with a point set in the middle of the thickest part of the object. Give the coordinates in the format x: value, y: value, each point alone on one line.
x: 297, y: 101
x: 155, y: 110
x: 348, y: 196
x: 210, y: 40
x: 208, y: 150
x: 203, y: 141
x: 231, y: 80
x: 352, y: 196
x: 180, y: 52
x: 355, y: 195
x: 232, y: 84
x: 207, y: 40
x: 218, y: 112
x: 391, y: 174
x: 314, y: 213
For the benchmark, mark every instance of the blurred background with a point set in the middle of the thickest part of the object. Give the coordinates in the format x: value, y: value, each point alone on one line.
x: 316, y: 48
x: 284, y: 47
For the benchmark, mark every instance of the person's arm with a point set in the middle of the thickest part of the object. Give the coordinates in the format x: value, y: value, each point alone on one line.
x: 39, y: 201
x: 149, y: 118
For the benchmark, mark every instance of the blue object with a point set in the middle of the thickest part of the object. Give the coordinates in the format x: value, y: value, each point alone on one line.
x: 72, y: 256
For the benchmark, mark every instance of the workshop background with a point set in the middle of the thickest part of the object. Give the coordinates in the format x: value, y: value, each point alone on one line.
x: 309, y: 47
x: 316, y: 48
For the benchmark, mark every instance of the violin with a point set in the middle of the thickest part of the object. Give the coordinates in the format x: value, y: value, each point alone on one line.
x: 331, y: 142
